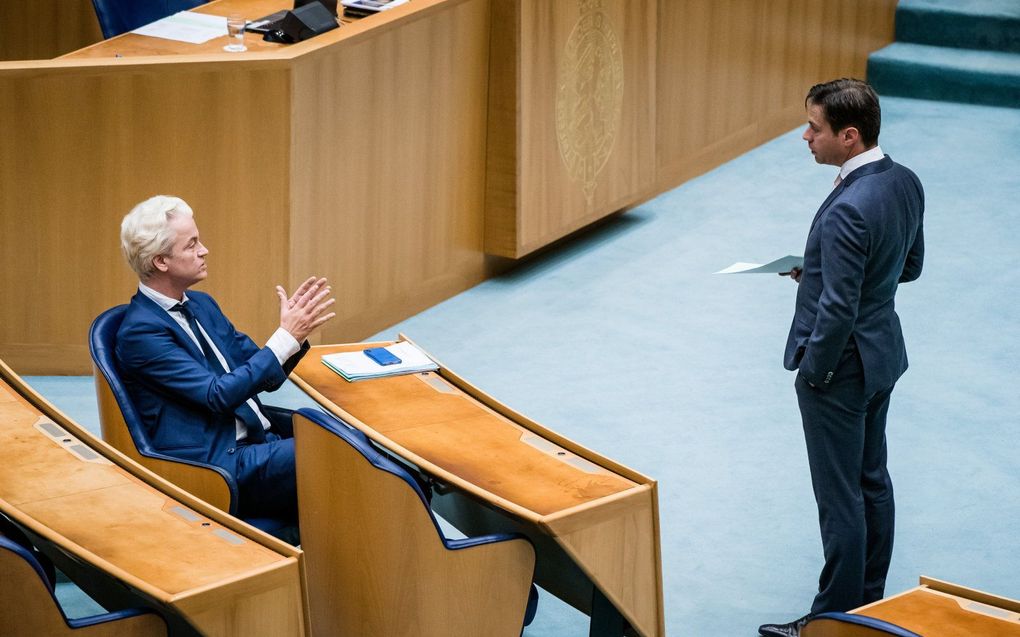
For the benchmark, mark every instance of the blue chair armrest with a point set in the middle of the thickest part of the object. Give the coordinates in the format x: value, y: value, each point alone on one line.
x: 278, y: 528
x: 103, y: 618
x: 870, y: 622
x: 479, y: 540
x: 223, y: 473
x: 281, y: 419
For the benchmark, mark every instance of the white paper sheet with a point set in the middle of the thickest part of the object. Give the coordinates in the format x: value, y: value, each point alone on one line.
x: 186, y: 26
x: 357, y: 366
x: 372, y: 5
x: 782, y: 265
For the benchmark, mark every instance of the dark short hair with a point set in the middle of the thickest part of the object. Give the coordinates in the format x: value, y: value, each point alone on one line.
x: 849, y: 102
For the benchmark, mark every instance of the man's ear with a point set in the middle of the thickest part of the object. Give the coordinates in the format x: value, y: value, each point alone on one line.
x: 159, y: 262
x: 850, y: 136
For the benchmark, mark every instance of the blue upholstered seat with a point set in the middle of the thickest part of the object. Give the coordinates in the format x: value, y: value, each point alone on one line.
x: 102, y: 343
x: 29, y: 607
x: 388, y: 522
x: 119, y: 16
x: 877, y: 627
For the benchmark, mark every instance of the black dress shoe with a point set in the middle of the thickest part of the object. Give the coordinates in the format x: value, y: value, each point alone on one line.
x: 785, y: 630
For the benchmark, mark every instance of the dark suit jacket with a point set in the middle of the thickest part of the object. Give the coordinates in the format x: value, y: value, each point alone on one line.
x: 865, y: 239
x: 189, y: 411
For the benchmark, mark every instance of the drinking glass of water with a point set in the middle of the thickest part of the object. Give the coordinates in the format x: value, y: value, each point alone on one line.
x: 235, y: 33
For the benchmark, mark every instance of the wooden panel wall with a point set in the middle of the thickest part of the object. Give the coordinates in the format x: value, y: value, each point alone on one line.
x: 388, y: 172
x: 703, y: 81
x: 44, y: 29
x: 85, y: 145
x: 733, y: 74
x: 583, y: 91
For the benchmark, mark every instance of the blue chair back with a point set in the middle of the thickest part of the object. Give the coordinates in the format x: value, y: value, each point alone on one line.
x: 119, y: 16
x: 394, y: 535
x: 102, y: 344
x: 124, y: 430
x: 372, y: 454
x: 126, y: 433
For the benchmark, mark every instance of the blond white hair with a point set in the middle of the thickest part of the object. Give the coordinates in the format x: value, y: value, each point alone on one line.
x: 145, y: 232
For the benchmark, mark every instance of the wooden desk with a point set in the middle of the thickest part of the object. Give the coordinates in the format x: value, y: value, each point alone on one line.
x: 941, y: 609
x: 593, y: 521
x: 391, y: 155
x: 187, y: 559
x: 132, y: 45
x: 358, y: 155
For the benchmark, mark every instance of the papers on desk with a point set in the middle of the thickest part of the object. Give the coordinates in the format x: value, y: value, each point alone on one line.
x: 368, y: 7
x: 355, y: 366
x: 186, y: 26
x: 778, y: 266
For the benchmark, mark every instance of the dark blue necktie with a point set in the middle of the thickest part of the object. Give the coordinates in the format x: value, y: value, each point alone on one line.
x: 210, y: 357
x: 256, y: 431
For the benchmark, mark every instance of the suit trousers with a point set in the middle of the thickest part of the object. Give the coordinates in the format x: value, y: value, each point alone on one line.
x: 845, y: 433
x: 266, y: 478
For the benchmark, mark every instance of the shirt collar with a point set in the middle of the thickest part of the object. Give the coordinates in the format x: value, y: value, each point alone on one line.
x: 855, y: 162
x: 159, y: 299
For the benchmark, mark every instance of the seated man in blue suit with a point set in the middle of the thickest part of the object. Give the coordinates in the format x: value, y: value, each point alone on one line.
x: 193, y: 377
x: 846, y: 341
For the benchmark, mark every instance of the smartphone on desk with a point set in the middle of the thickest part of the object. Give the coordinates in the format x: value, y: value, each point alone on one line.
x: 381, y: 355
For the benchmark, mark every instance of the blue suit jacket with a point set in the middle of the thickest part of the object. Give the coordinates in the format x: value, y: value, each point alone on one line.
x: 866, y: 238
x: 189, y: 411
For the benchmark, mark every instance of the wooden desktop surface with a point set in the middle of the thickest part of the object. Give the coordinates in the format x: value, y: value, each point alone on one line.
x: 134, y: 45
x: 59, y: 486
x: 436, y: 421
x: 593, y: 521
x: 941, y: 613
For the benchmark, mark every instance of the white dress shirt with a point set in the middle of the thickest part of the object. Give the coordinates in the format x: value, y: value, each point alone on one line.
x: 855, y: 162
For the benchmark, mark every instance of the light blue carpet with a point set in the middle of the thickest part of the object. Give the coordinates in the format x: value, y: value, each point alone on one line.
x: 624, y: 341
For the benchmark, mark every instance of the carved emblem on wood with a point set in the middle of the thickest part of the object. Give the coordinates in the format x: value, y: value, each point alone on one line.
x: 590, y: 96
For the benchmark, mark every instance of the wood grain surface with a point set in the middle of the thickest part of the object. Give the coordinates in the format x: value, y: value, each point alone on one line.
x: 65, y: 487
x: 376, y: 563
x: 462, y: 437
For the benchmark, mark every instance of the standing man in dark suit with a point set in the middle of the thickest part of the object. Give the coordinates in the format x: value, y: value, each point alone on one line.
x: 846, y: 340
x: 193, y: 377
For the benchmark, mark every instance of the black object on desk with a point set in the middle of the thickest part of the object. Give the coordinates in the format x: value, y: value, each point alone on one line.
x: 308, y: 19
